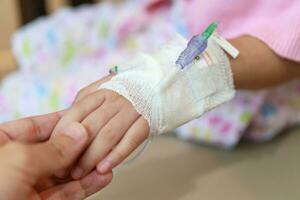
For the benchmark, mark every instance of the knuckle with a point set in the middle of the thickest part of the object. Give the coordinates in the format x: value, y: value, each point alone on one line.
x: 109, y: 135
x: 110, y: 106
x: 119, y: 156
x: 110, y: 95
x: 66, y: 194
x: 136, y: 140
x: 80, y: 107
x: 132, y: 111
x: 121, y: 102
x: 97, y: 96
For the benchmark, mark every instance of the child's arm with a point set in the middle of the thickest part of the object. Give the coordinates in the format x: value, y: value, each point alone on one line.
x: 258, y: 66
x: 117, y: 129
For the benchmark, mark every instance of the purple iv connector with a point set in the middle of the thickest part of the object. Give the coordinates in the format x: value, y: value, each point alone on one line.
x: 194, y: 48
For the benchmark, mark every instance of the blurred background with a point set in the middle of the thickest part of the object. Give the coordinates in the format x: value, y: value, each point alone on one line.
x: 50, y: 49
x: 16, y: 13
x: 9, y: 21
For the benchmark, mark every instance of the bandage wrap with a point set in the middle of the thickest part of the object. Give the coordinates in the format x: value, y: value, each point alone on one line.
x: 167, y: 96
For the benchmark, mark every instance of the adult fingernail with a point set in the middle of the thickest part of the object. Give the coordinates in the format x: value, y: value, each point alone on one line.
x: 104, y: 167
x: 77, y: 173
x: 75, y: 130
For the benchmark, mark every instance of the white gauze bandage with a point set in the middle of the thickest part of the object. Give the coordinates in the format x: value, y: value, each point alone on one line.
x: 167, y: 96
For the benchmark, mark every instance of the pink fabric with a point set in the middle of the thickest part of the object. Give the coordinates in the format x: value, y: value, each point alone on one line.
x: 276, y: 22
x: 257, y: 116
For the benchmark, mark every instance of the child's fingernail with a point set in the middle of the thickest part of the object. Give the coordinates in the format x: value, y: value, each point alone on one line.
x: 77, y: 173
x: 75, y: 130
x: 104, y: 167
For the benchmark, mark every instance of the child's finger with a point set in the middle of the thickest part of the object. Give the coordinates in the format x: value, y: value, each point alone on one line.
x: 100, y: 117
x: 93, y: 123
x: 107, y: 138
x: 135, y: 136
x: 81, y: 109
x: 91, y: 88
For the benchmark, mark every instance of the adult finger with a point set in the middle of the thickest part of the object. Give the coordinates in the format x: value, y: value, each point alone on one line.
x: 3, y: 138
x: 57, y: 153
x: 80, y: 189
x: 30, y: 129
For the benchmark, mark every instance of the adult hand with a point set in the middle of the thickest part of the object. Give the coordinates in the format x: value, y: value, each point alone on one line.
x: 27, y: 169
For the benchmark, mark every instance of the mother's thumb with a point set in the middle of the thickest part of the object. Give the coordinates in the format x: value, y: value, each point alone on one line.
x: 60, y: 151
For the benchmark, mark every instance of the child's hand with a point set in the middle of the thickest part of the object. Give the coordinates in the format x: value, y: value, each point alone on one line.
x: 113, y: 124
